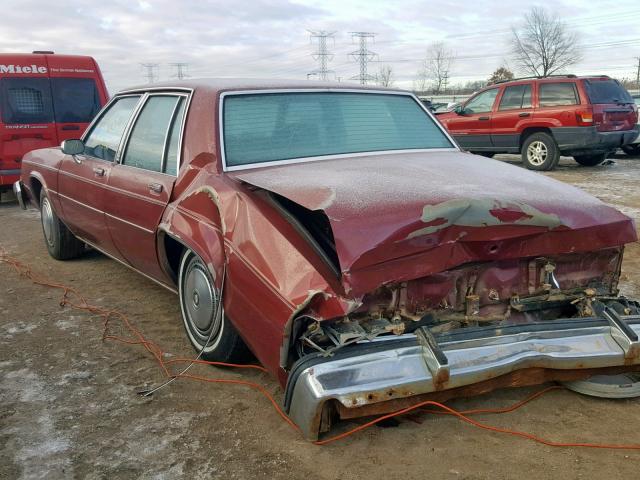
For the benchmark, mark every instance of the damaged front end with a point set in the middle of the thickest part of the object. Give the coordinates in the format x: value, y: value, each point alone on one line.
x: 463, y: 332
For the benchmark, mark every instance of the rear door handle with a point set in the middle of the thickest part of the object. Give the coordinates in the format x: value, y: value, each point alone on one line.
x: 524, y: 114
x: 99, y: 171
x: 70, y: 127
x: 155, y: 187
x: 483, y: 118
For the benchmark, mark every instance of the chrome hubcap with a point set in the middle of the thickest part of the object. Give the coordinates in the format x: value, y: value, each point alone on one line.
x: 201, y: 301
x: 537, y: 153
x: 47, y: 221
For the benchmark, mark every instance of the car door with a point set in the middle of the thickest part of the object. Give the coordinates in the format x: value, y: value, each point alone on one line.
x: 472, y: 126
x: 142, y: 179
x: 82, y: 179
x: 514, y: 111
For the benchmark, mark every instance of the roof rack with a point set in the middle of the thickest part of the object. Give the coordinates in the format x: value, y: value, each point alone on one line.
x: 537, y: 77
x: 43, y: 52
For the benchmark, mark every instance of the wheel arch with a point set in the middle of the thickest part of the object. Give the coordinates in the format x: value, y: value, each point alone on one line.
x: 527, y: 132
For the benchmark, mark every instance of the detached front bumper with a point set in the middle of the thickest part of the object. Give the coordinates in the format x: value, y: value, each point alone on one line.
x: 388, y: 370
x: 20, y: 194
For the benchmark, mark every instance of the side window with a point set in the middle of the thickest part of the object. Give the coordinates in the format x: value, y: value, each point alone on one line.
x: 516, y: 97
x: 482, y: 102
x: 103, y: 140
x: 145, y: 148
x: 555, y: 94
x: 171, y: 164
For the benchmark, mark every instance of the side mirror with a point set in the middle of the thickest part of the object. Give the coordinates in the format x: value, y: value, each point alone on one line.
x: 72, y: 147
x: 459, y: 109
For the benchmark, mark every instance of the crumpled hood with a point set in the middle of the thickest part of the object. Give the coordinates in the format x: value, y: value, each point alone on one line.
x: 404, y: 215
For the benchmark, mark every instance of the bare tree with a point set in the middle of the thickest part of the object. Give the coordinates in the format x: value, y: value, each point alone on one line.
x: 542, y: 45
x: 501, y: 74
x: 435, y: 68
x: 385, y: 76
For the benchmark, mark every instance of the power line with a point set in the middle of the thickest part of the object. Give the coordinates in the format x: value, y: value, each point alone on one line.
x: 323, y: 56
x: 363, y: 56
x: 180, y: 70
x: 150, y: 74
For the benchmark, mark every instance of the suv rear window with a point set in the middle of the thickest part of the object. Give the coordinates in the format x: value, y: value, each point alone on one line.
x: 25, y: 100
x: 75, y: 100
x: 555, y: 94
x: 607, y: 91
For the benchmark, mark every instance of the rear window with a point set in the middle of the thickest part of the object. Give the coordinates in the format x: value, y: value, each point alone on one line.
x: 75, y: 100
x: 25, y: 100
x: 262, y: 128
x: 556, y: 94
x: 607, y: 91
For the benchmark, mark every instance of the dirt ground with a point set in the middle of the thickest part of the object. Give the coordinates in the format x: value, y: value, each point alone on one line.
x: 69, y: 408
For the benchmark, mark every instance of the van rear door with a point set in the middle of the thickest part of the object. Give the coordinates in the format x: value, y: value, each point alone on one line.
x: 26, y: 110
x: 77, y: 93
x: 613, y: 107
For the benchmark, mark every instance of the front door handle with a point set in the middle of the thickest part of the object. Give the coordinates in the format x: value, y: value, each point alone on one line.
x: 524, y: 114
x: 98, y: 171
x: 483, y: 118
x: 155, y: 187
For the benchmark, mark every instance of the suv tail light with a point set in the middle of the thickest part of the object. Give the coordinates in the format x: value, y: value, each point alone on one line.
x: 585, y: 118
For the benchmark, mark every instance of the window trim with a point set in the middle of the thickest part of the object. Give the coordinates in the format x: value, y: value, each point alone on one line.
x: 143, y: 93
x: 234, y: 168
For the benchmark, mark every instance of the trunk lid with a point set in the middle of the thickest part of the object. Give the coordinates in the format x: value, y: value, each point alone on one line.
x: 396, y: 217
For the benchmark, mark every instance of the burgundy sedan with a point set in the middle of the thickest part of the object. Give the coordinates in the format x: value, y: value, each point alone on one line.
x: 340, y: 235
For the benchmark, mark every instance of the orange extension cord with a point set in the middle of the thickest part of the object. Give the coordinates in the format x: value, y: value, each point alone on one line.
x: 80, y: 303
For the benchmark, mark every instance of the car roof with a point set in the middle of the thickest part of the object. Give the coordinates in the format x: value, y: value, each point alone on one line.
x: 232, y: 84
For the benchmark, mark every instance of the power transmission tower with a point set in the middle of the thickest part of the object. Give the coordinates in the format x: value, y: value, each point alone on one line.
x: 363, y: 56
x: 323, y: 56
x: 180, y: 70
x: 150, y: 74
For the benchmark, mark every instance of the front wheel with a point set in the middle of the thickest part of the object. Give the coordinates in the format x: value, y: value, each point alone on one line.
x: 632, y: 149
x: 61, y: 243
x: 205, y: 322
x: 590, y: 160
x: 540, y: 152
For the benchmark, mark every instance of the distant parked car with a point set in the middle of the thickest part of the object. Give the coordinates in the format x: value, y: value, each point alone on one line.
x: 633, y: 148
x: 44, y: 99
x: 542, y: 118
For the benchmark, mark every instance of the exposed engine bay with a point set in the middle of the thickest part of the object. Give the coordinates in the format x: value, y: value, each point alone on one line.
x: 504, y: 292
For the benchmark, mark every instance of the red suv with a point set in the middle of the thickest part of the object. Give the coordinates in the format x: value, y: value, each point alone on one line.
x: 542, y: 118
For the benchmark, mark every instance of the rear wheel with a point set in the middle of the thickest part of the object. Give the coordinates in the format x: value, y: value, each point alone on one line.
x: 61, y: 243
x: 207, y: 327
x: 590, y: 160
x: 540, y: 152
x: 633, y: 149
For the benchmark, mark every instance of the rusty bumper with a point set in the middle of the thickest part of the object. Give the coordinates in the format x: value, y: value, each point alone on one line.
x: 385, y: 370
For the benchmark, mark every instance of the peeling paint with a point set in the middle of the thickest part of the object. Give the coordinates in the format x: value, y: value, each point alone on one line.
x: 465, y: 212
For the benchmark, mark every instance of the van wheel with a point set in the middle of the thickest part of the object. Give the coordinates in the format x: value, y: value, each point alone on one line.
x: 633, y: 149
x: 61, y: 243
x: 590, y: 160
x: 208, y: 328
x: 540, y: 152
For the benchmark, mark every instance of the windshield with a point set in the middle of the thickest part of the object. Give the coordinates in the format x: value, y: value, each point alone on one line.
x: 268, y: 127
x: 607, y: 91
x: 41, y: 100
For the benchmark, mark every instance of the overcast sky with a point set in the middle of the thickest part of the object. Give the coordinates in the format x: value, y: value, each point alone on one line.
x: 269, y: 38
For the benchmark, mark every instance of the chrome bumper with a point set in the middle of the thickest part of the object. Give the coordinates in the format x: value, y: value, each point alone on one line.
x: 398, y: 368
x: 19, y: 193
